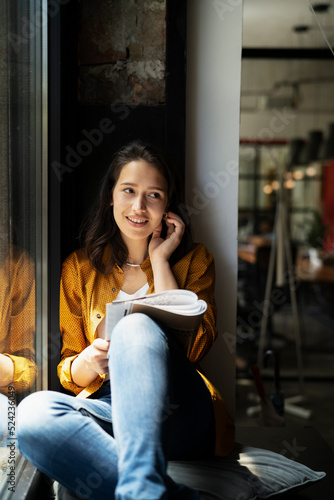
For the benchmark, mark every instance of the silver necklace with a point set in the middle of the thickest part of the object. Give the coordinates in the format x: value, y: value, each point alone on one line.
x: 132, y: 265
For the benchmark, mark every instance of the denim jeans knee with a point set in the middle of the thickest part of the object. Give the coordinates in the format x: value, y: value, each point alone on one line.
x: 138, y: 329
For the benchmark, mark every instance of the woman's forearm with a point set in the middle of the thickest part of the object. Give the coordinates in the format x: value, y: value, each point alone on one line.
x: 163, y: 277
x: 82, y: 373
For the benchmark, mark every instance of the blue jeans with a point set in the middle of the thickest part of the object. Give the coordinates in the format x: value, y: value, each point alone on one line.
x: 116, y: 444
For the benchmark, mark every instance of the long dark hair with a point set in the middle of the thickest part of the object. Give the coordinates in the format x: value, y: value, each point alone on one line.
x: 100, y: 228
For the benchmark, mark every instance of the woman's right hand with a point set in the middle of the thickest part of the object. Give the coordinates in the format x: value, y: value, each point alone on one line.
x: 96, y: 355
x: 91, y: 362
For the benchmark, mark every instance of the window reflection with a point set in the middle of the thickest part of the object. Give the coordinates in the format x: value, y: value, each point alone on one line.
x: 17, y: 322
x: 22, y: 211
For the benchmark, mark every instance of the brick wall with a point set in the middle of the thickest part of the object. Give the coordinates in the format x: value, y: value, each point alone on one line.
x: 122, y: 52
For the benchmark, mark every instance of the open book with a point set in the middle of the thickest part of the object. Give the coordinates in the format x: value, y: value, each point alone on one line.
x: 180, y: 310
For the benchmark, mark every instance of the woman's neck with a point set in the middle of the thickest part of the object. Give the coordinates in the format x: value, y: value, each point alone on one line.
x: 137, y: 252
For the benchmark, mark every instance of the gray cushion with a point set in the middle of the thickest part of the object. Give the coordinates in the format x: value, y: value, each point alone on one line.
x: 247, y: 473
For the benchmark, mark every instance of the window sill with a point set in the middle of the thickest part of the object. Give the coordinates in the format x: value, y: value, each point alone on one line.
x: 30, y: 483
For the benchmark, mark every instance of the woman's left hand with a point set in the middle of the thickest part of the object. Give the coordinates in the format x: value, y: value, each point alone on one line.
x: 162, y: 249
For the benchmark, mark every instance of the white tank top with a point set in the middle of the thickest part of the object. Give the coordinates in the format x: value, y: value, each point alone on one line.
x: 128, y: 296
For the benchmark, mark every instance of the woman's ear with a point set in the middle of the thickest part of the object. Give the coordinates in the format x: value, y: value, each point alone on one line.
x: 166, y: 212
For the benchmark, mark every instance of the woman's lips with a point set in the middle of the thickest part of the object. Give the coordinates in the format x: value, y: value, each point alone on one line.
x: 136, y: 222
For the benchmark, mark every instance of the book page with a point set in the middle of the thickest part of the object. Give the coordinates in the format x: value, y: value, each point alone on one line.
x: 166, y: 298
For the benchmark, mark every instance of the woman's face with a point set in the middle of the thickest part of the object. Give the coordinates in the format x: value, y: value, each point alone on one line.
x: 139, y: 199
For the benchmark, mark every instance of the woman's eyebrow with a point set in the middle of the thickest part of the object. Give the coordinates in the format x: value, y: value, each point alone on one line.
x: 157, y: 188
x: 149, y: 187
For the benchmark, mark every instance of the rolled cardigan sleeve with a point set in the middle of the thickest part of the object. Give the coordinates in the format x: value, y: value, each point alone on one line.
x: 25, y: 373
x: 196, y: 272
x: 71, y: 319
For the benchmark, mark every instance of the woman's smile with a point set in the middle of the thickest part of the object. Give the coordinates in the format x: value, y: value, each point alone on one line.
x: 136, y: 222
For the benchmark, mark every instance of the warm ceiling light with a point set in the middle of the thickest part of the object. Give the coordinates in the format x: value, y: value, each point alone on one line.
x: 275, y: 185
x: 289, y: 184
x: 298, y: 175
x: 267, y: 189
x: 311, y: 171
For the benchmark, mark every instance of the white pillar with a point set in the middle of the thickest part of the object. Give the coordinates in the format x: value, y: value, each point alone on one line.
x: 212, y: 150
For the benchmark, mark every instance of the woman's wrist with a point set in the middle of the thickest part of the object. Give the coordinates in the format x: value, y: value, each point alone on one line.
x: 81, y: 372
x: 159, y: 262
x: 163, y: 276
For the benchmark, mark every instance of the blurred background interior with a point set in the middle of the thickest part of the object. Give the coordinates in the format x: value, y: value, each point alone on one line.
x: 286, y: 200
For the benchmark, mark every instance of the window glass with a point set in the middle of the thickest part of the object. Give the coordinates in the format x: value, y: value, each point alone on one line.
x: 22, y: 214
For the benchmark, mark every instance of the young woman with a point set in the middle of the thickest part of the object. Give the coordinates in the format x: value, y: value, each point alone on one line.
x: 140, y: 400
